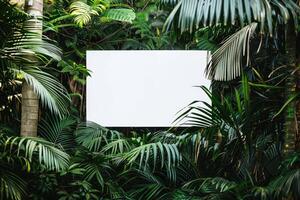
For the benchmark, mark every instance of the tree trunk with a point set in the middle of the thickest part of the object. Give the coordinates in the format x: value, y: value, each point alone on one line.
x: 30, y: 111
x: 297, y: 74
x: 30, y: 101
x: 291, y: 125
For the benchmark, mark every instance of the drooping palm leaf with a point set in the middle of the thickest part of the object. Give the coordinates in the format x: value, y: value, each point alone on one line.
x: 25, y: 46
x: 156, y: 152
x: 117, y: 146
x: 192, y: 14
x: 11, y: 185
x: 287, y: 185
x: 51, y: 92
x: 46, y: 152
x: 95, y: 165
x: 227, y: 62
x: 93, y: 136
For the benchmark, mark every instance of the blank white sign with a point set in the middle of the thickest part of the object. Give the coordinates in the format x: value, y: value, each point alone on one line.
x: 143, y: 88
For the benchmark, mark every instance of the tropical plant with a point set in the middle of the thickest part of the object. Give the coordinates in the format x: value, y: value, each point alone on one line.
x: 194, y: 14
x: 233, y: 149
x: 233, y: 57
x: 19, y: 155
x: 20, y: 53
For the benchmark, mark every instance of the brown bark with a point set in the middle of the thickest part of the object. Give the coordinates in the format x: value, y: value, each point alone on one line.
x: 30, y: 101
x: 30, y: 111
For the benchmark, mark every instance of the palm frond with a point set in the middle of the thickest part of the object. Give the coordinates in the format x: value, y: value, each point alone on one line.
x: 151, y: 187
x: 59, y: 131
x: 51, y: 92
x: 262, y: 193
x: 94, y: 166
x: 192, y: 14
x: 11, y: 185
x: 94, y: 137
x: 287, y: 185
x: 210, y: 185
x: 24, y: 47
x: 227, y: 62
x: 48, y: 155
x: 117, y: 146
x: 157, y: 152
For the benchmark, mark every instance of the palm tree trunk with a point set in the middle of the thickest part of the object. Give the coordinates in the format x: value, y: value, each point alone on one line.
x: 291, y: 125
x: 30, y: 101
x: 297, y: 74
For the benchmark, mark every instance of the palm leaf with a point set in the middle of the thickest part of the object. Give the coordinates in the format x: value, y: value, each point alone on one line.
x: 226, y: 62
x: 117, y: 146
x: 94, y: 137
x: 149, y: 185
x: 287, y: 185
x: 51, y: 92
x: 210, y: 185
x: 48, y: 155
x: 59, y: 131
x: 157, y: 152
x: 26, y: 47
x: 192, y: 14
x: 11, y: 185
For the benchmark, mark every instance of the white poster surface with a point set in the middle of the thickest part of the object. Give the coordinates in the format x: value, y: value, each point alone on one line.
x: 143, y: 88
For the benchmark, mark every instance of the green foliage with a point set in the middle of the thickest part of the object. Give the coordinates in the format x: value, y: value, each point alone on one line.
x: 51, y: 92
x: 155, y: 151
x: 120, y: 14
x: 19, y: 155
x: 48, y: 154
x: 233, y: 149
x: 83, y: 12
x: 21, y: 55
x: 201, y: 13
x: 79, y: 72
x: 93, y: 136
x: 232, y: 51
x: 59, y: 131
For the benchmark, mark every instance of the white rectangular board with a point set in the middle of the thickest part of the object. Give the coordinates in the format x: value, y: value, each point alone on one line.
x: 143, y: 88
